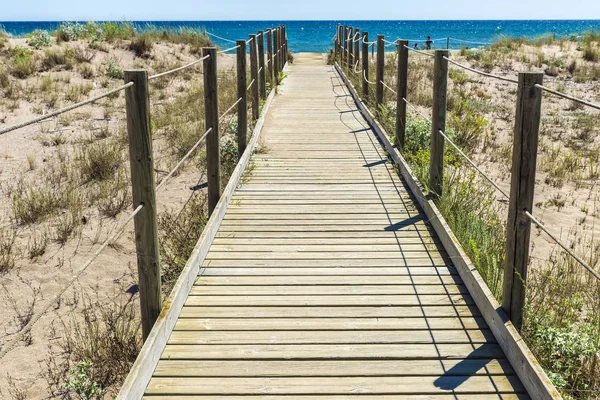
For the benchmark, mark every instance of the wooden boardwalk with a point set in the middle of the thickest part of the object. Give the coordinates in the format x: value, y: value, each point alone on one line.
x: 325, y: 280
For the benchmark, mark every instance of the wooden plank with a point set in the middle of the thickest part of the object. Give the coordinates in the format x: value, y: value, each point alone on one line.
x: 324, y: 271
x: 455, y: 396
x: 331, y: 351
x: 331, y: 312
x: 329, y: 300
x: 350, y: 280
x: 207, y: 368
x: 222, y: 290
x: 334, y: 337
x: 340, y: 385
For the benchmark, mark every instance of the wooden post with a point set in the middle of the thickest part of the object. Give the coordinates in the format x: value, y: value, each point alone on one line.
x: 242, y: 92
x: 447, y: 43
x: 401, y: 88
x: 262, y: 75
x: 379, y: 72
x: 211, y: 110
x: 438, y: 119
x: 350, y: 59
x: 338, y: 42
x: 343, y: 46
x: 276, y: 55
x: 270, y: 55
x: 141, y: 159
x: 518, y: 228
x: 285, y: 48
x: 356, y: 47
x: 365, y: 63
x: 281, y: 55
x: 254, y: 77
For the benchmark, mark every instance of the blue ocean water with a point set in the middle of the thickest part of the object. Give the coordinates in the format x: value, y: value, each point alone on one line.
x: 316, y: 36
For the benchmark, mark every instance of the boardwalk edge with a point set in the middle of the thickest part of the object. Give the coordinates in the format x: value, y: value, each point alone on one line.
x: 528, y: 369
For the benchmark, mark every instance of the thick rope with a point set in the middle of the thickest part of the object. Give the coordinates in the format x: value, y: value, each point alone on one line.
x: 481, y: 72
x: 389, y: 88
x: 64, y: 110
x: 180, y: 163
x: 487, y: 178
x: 229, y: 49
x: 220, y: 37
x: 566, y: 96
x: 366, y: 80
x: 172, y: 71
x: 420, y: 52
x: 561, y: 244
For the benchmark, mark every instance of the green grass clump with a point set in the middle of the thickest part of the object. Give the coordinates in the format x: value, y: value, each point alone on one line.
x: 21, y: 61
x: 591, y: 53
x: 7, y: 250
x: 34, y: 203
x: 58, y: 58
x: 99, y: 161
x: 113, y: 70
x: 40, y: 38
x: 142, y: 44
x: 112, y: 31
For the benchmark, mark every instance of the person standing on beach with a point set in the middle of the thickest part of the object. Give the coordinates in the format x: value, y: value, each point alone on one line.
x: 416, y: 46
x: 428, y: 43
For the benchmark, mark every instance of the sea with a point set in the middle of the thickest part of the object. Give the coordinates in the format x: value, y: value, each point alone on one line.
x: 316, y: 36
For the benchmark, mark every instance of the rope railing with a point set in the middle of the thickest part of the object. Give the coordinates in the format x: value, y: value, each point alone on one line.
x: 251, y: 83
x: 419, y: 52
x: 367, y: 80
x: 180, y: 163
x: 470, y: 41
x: 229, y: 49
x: 220, y: 37
x: 385, y: 85
x: 65, y: 109
x: 566, y: 96
x: 174, y: 70
x: 561, y: 244
x: 502, y: 78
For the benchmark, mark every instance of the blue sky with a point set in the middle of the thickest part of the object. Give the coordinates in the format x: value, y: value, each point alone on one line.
x: 297, y: 10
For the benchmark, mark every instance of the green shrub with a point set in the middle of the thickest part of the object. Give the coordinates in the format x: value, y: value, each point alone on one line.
x: 40, y: 38
x: 68, y: 31
x: 112, y: 31
x: 81, y: 384
x: 113, y: 70
x: 22, y: 63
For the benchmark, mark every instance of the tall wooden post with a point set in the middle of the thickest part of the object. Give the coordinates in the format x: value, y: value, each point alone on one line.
x: 379, y: 72
x: 242, y: 92
x: 281, y: 49
x: 365, y: 63
x: 276, y: 54
x: 401, y: 88
x: 356, y: 47
x: 518, y: 227
x: 438, y: 119
x: 270, y: 55
x: 350, y: 59
x: 447, y: 43
x: 337, y: 42
x: 141, y: 159
x: 262, y: 75
x: 344, y: 44
x: 254, y: 76
x: 211, y: 110
x: 285, y: 47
